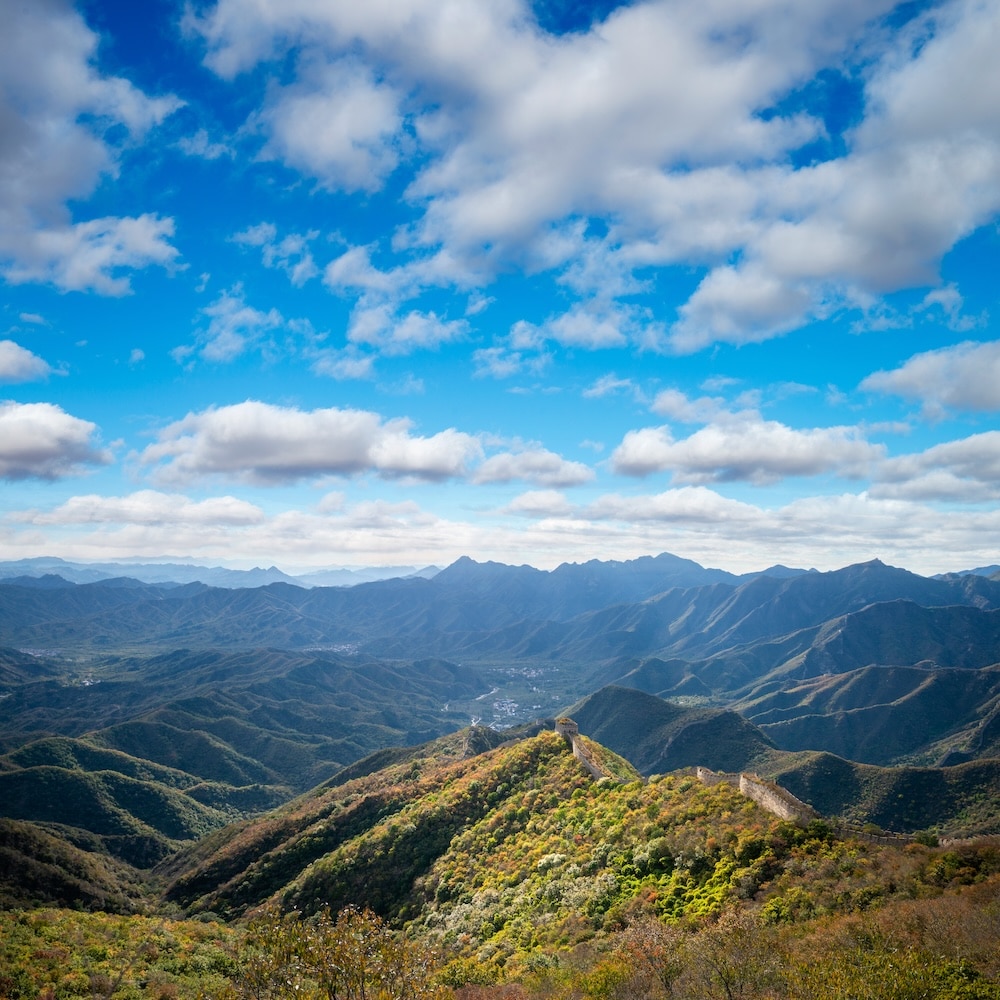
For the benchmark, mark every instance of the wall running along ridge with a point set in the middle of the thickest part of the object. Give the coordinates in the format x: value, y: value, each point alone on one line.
x: 569, y: 730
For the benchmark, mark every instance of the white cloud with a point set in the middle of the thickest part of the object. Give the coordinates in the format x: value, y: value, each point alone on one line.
x: 949, y: 300
x: 353, y: 271
x: 18, y: 364
x: 690, y: 504
x: 963, y: 377
x: 148, y: 507
x: 592, y: 325
x: 42, y: 441
x: 661, y: 122
x: 260, y: 443
x: 379, y: 327
x: 676, y: 405
x: 526, y: 131
x: 348, y: 363
x: 90, y: 256
x: 497, y: 362
x: 653, y: 120
x: 541, y: 528
x: 540, y: 504
x: 741, y: 305
x: 335, y: 123
x: 922, y: 172
x: 587, y: 327
x: 607, y: 385
x: 643, y: 452
x: 291, y: 254
x: 201, y: 145
x: 533, y: 465
x: 963, y: 471
x: 745, y: 447
x: 234, y: 327
x: 56, y: 110
x: 946, y: 89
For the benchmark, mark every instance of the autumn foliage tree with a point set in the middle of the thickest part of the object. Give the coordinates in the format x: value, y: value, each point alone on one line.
x: 354, y: 956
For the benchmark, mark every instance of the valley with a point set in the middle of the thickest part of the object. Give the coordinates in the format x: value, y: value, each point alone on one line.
x: 220, y: 753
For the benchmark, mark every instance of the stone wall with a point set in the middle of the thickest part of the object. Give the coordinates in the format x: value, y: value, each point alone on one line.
x: 766, y: 794
x: 781, y: 803
x: 569, y: 730
x: 707, y: 777
x: 776, y: 799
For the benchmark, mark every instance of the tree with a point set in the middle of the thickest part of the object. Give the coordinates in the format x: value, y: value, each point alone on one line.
x: 658, y: 953
x: 735, y: 959
x: 353, y: 957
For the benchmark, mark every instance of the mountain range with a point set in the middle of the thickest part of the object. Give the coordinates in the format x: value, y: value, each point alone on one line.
x: 25, y: 570
x: 136, y: 717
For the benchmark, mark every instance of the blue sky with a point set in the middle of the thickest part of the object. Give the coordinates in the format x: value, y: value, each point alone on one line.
x: 311, y: 283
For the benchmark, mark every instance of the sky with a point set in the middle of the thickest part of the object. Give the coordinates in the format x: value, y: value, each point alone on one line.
x: 320, y: 283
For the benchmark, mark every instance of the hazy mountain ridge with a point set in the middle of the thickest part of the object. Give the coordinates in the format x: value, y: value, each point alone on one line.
x: 750, y: 644
x: 475, y: 608
x: 173, y: 573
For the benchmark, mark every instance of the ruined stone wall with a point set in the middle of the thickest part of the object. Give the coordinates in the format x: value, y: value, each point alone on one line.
x: 707, y: 777
x: 776, y: 800
x: 766, y: 794
x: 781, y: 803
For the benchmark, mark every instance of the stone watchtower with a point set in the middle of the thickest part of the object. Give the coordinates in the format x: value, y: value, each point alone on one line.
x: 567, y: 728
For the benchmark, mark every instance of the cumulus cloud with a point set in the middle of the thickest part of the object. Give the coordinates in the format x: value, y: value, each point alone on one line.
x: 260, y: 443
x: 666, y: 121
x: 522, y: 351
x: 353, y: 270
x: 690, y: 504
x: 963, y: 377
x: 55, y: 112
x: 540, y: 504
x: 336, y: 123
x: 963, y: 471
x: 18, y: 364
x: 677, y: 405
x: 922, y: 172
x: 533, y: 465
x: 342, y: 364
x: 745, y: 448
x: 497, y: 362
x: 42, y: 441
x: 90, y: 256
x: 539, y: 527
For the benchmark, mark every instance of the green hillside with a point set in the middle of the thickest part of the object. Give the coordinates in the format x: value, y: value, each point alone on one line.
x: 471, y: 870
x: 44, y: 867
x: 659, y: 736
x: 961, y: 801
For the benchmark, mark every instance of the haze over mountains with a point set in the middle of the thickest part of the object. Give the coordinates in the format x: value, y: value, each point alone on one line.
x: 137, y: 716
x: 214, y: 576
